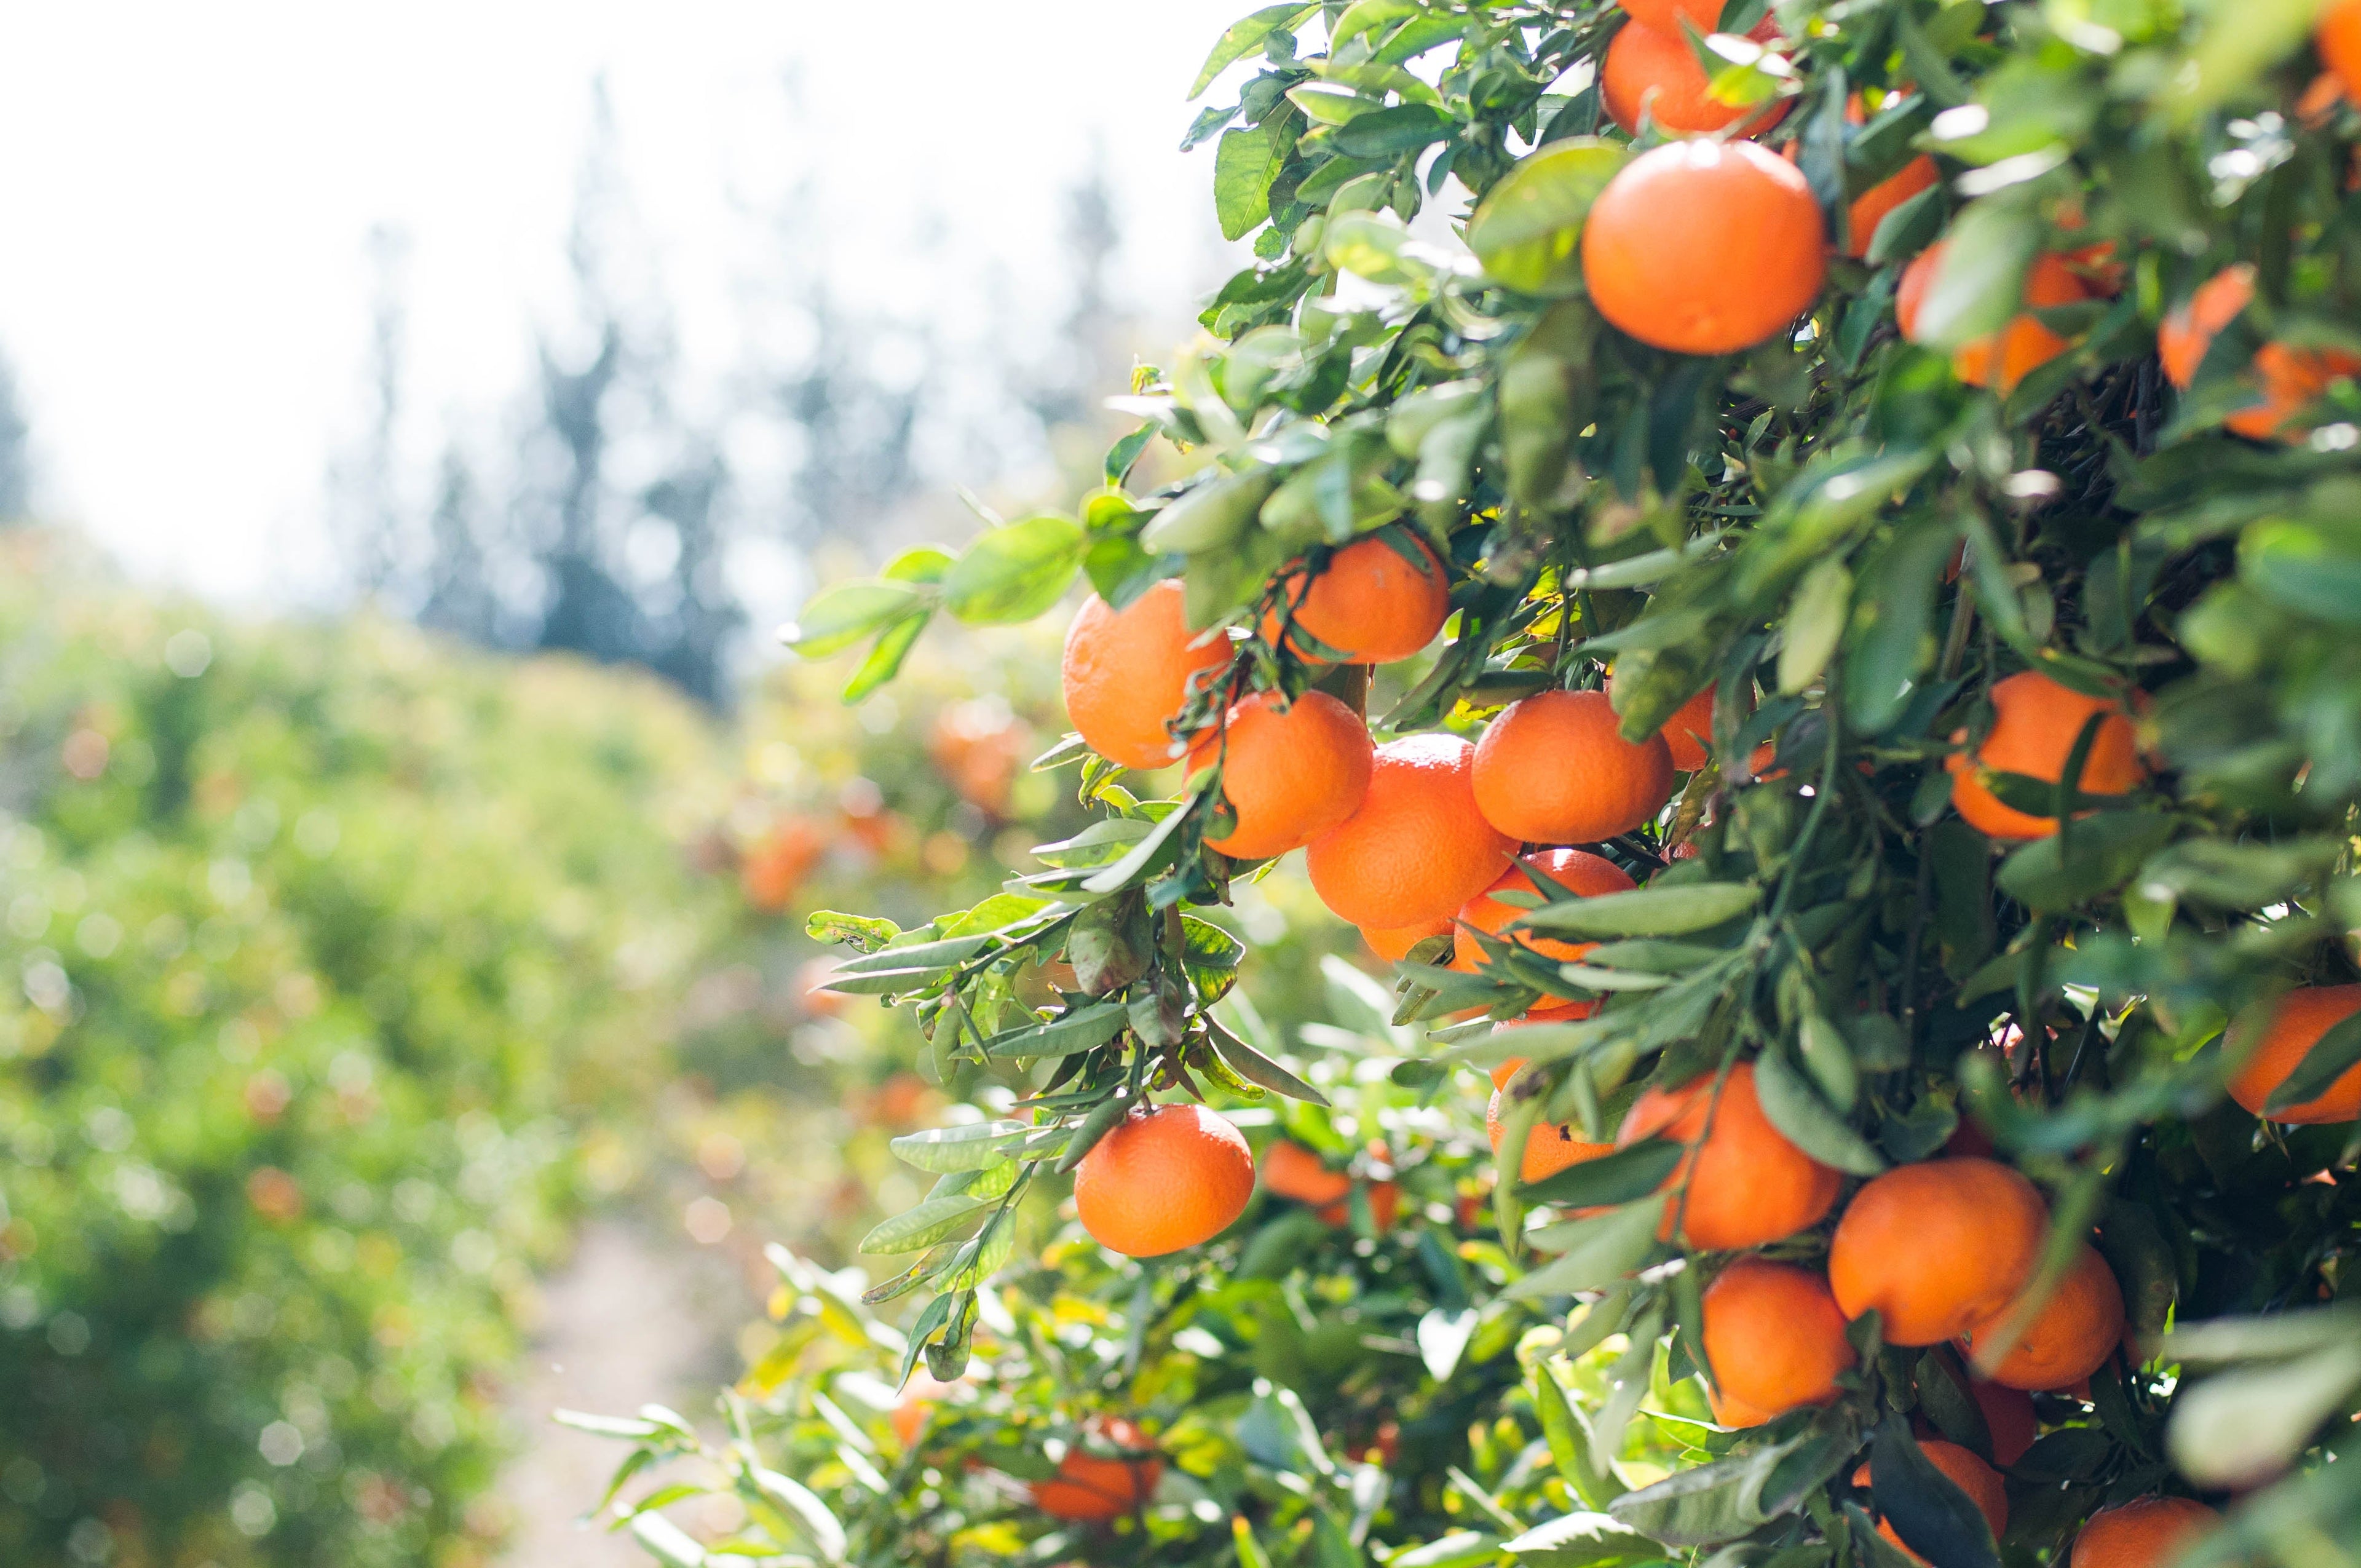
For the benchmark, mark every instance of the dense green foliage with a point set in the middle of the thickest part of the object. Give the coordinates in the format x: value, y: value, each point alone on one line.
x: 1782, y: 524
x: 329, y: 952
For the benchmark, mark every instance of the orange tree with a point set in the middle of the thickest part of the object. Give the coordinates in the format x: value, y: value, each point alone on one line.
x: 1891, y: 759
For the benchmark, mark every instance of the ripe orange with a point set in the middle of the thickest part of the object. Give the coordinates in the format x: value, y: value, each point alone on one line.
x: 2008, y: 1417
x: 1169, y: 1177
x: 773, y: 871
x: 1980, y: 1481
x: 1577, y: 870
x: 1667, y: 15
x: 1775, y: 1336
x: 1416, y: 848
x: 2289, y: 378
x: 1507, y: 1070
x: 1729, y: 1410
x: 1653, y: 70
x: 1704, y: 247
x: 2339, y: 40
x: 2148, y: 1532
x: 2283, y: 1036
x: 1553, y: 769
x: 1290, y: 1170
x: 1369, y: 604
x: 1093, y: 1487
x: 1126, y: 675
x: 1548, y: 1149
x: 920, y: 1394
x: 2072, y: 1336
x: 2017, y: 349
x: 1749, y: 1185
x: 1393, y: 943
x: 1290, y: 773
x: 1688, y: 733
x: 1937, y: 1247
x: 2034, y: 723
x: 1868, y: 208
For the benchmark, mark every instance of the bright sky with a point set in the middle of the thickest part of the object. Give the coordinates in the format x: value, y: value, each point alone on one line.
x: 189, y: 190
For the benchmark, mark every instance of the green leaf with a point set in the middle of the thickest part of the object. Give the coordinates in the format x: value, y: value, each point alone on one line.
x: 1815, y: 623
x: 2236, y: 1430
x: 1926, y: 1508
x: 805, y: 1513
x: 1892, y: 641
x: 2094, y: 855
x: 1646, y: 911
x: 1527, y: 229
x: 1579, y: 1541
x: 1077, y: 1030
x: 1014, y: 572
x: 1980, y: 281
x: 666, y: 1541
x: 922, y: 1225
x: 1246, y: 36
x: 1390, y: 133
x: 840, y: 617
x: 1613, y: 1179
x: 1706, y: 1504
x: 2313, y: 569
x: 1257, y: 1068
x: 884, y: 660
x: 970, y: 1148
x: 1594, y: 1253
x: 2332, y: 1055
x: 607, y: 1426
x: 1806, y: 1120
x: 1244, y: 163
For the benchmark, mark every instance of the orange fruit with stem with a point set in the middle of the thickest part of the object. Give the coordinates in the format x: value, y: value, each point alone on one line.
x: 2288, y: 378
x: 1374, y: 602
x: 2069, y: 1338
x: 1978, y: 1480
x: 1108, y: 1472
x: 2010, y: 355
x: 2282, y: 1034
x: 1128, y: 674
x: 1870, y: 208
x: 1552, y: 768
x: 1290, y: 773
x: 1704, y: 247
x: 1746, y: 1184
x: 1937, y: 1247
x: 1548, y: 1149
x: 2146, y: 1532
x: 1652, y: 73
x: 2035, y: 722
x: 1167, y: 1177
x: 1584, y: 874
x: 1775, y: 1336
x: 1416, y: 848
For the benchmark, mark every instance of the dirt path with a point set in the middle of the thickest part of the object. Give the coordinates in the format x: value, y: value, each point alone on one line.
x: 636, y: 1315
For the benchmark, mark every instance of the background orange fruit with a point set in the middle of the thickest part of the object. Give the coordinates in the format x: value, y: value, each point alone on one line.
x: 2010, y: 355
x: 2034, y: 723
x: 1127, y: 673
x: 1667, y: 15
x: 1653, y: 70
x: 1369, y: 604
x: 1548, y: 1149
x: 1775, y: 1336
x: 1552, y: 769
x: 1577, y: 870
x: 1290, y: 1170
x: 1937, y: 1247
x: 2338, y: 36
x: 1167, y: 1177
x: 1704, y: 247
x: 1092, y: 1488
x: 1978, y: 1480
x: 2072, y: 1336
x: 1288, y: 774
x: 1749, y: 1185
x: 1869, y: 209
x: 2288, y: 1028
x: 1416, y: 848
x: 2008, y: 1417
x: 2288, y: 378
x: 2148, y: 1532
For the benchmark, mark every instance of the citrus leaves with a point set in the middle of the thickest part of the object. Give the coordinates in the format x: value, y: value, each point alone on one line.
x: 1010, y: 572
x: 1648, y: 911
x: 1526, y: 230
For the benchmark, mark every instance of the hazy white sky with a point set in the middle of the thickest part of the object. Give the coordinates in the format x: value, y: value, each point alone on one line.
x: 188, y: 190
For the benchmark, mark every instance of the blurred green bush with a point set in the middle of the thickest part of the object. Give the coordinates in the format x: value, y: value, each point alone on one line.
x: 333, y: 961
